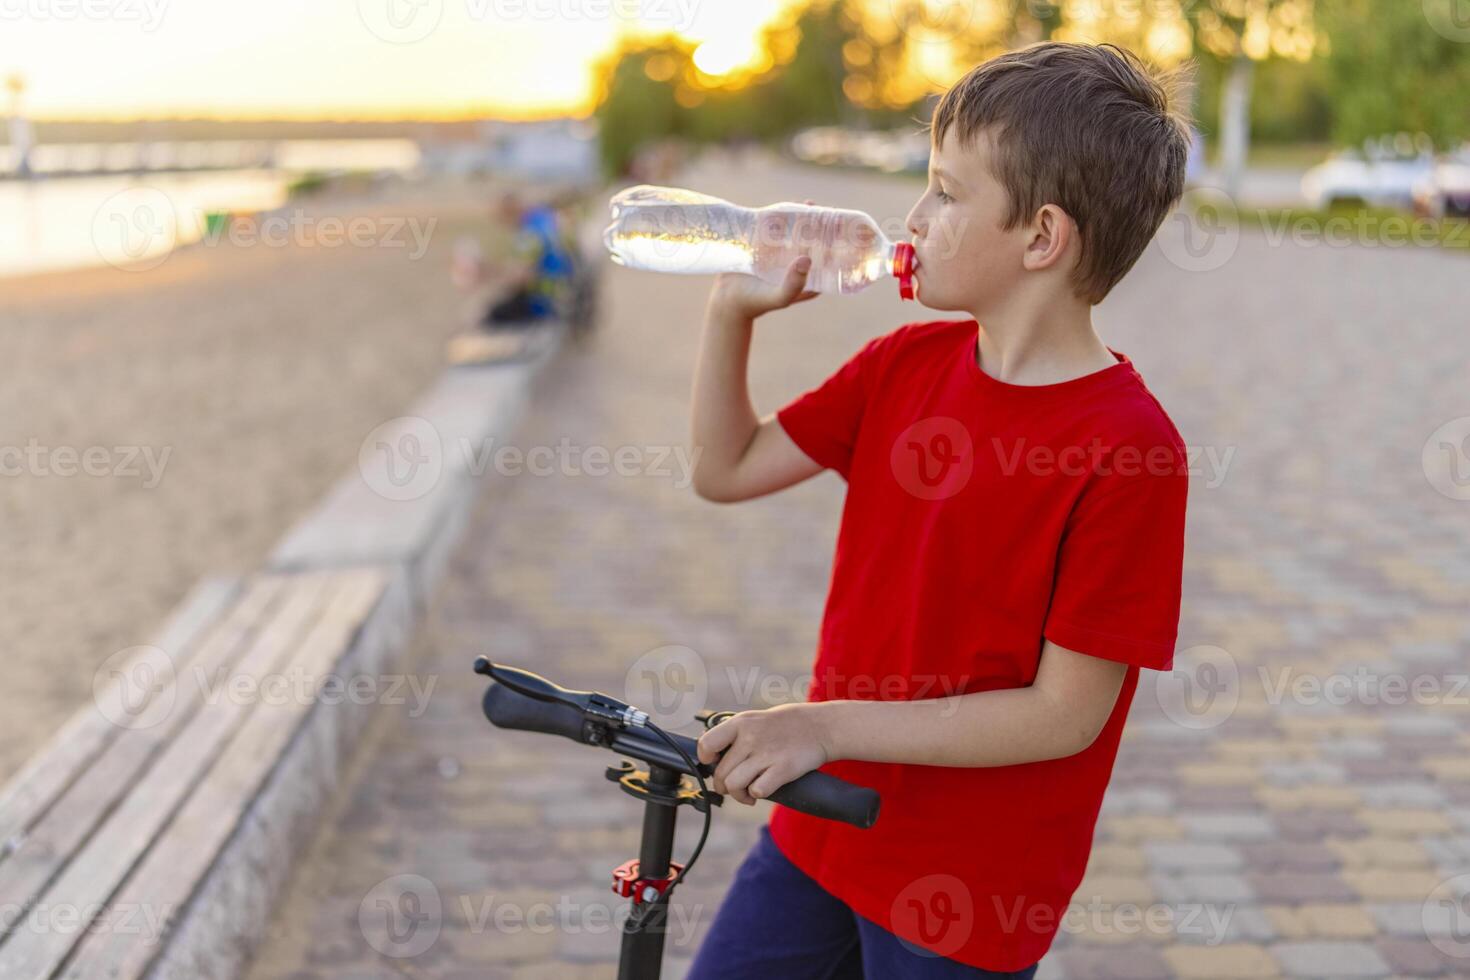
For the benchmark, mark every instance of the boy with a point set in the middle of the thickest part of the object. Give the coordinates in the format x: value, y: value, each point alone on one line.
x: 1010, y: 550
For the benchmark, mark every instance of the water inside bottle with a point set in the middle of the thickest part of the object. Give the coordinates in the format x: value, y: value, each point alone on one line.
x: 676, y: 230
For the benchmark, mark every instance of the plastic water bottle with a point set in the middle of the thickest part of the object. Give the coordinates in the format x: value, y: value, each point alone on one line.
x: 668, y: 229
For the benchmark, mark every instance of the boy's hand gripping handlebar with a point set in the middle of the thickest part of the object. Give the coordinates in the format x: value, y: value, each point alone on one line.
x: 522, y: 700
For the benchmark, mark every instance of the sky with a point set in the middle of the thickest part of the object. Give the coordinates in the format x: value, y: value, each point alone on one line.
x: 341, y: 58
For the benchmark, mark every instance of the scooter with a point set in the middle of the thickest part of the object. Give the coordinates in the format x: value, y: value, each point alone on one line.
x: 519, y: 699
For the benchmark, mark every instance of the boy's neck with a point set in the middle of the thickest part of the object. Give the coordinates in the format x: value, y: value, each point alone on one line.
x: 1043, y: 347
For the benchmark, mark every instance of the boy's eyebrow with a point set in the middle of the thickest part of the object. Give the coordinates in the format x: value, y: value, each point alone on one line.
x: 941, y: 172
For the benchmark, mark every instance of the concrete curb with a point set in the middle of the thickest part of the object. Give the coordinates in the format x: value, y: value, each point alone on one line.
x: 355, y: 526
x: 407, y: 501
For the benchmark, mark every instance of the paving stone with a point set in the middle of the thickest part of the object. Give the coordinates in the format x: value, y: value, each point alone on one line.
x: 1313, y: 824
x: 1330, y: 960
x: 1314, y: 795
x: 1366, y: 771
x: 1219, y: 774
x: 1225, y: 962
x: 1381, y: 852
x: 1351, y: 748
x: 1149, y: 799
x: 505, y: 947
x: 1226, y: 826
x: 1319, y: 920
x: 1447, y: 850
x: 1105, y: 963
x: 1141, y: 827
x: 1216, y: 797
x: 1113, y: 889
x: 1051, y: 968
x: 1417, y: 958
x: 1392, y: 884
x: 1212, y: 924
x: 1280, y: 856
x: 1452, y: 769
x: 1405, y: 822
x: 1299, y: 886
x: 1116, y: 858
x: 1217, y: 888
x: 1403, y: 794
x: 1293, y: 773
x: 1191, y: 856
x: 1410, y: 919
x: 589, y: 946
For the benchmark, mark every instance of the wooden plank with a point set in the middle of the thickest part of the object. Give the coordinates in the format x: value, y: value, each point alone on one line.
x: 51, y: 841
x: 101, y: 864
x: 192, y: 843
x: 48, y: 773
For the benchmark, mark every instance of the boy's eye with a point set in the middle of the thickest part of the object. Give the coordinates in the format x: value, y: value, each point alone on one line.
x: 943, y: 196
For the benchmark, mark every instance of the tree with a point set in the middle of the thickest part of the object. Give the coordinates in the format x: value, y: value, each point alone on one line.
x: 1392, y: 67
x: 819, y: 66
x: 807, y: 87
x: 638, y: 100
x: 1240, y: 33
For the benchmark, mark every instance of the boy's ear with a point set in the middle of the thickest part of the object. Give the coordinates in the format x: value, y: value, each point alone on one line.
x: 1050, y: 234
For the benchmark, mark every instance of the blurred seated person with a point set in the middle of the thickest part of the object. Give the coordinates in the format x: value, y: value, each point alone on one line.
x: 541, y: 265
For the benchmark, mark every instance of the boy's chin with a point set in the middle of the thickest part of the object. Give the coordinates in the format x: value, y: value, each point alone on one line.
x: 932, y: 294
x: 937, y: 299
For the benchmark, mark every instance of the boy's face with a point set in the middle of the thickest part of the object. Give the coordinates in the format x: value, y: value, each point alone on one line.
x: 966, y: 259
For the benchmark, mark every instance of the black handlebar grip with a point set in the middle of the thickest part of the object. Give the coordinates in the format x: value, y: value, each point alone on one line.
x: 815, y: 793
x: 826, y: 796
x: 510, y: 709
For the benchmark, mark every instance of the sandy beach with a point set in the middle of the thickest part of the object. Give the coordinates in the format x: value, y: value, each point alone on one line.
x: 164, y: 424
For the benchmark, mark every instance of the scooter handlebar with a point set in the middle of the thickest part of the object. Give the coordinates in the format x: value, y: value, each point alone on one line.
x: 816, y: 793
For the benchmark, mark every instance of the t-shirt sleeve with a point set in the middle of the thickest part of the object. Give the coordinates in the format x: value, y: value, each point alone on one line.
x: 824, y: 421
x: 1119, y: 568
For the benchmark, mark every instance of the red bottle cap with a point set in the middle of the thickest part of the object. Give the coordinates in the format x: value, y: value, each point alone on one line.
x: 903, y: 268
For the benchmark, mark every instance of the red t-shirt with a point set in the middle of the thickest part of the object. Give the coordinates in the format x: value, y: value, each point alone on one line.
x: 981, y: 517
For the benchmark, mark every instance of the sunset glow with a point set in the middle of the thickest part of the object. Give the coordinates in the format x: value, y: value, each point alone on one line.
x: 92, y: 59
x: 446, y: 59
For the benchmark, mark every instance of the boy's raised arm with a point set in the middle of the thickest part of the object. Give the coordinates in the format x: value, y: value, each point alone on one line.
x: 737, y: 455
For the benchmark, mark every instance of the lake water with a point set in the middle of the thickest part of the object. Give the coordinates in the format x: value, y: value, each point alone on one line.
x: 51, y: 224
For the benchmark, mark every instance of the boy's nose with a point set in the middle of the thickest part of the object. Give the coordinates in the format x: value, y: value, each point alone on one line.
x: 915, y: 227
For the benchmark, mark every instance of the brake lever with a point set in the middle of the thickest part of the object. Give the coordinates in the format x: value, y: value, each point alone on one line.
x: 593, y: 704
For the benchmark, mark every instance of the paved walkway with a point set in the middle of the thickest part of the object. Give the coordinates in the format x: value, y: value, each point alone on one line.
x: 1294, y: 800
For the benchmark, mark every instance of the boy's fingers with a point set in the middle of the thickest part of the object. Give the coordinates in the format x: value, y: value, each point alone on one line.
x: 714, y: 741
x: 739, y: 779
x: 732, y: 758
x: 766, y: 783
x: 796, y: 277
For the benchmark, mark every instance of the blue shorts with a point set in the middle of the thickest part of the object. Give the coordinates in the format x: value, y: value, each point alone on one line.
x: 776, y: 922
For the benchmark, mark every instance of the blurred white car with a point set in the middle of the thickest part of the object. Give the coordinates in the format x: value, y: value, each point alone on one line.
x: 1445, y: 190
x: 1348, y: 176
x: 888, y: 150
x: 821, y: 144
